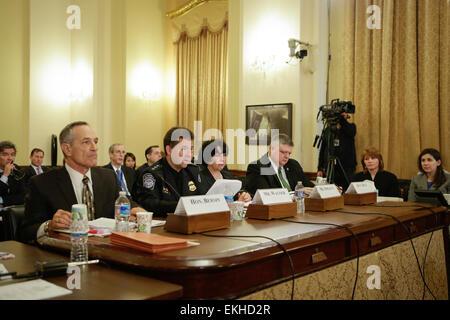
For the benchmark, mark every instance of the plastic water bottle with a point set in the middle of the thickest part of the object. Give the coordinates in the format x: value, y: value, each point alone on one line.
x: 300, y: 197
x: 79, y: 252
x: 229, y: 200
x: 122, y: 212
x: 79, y: 229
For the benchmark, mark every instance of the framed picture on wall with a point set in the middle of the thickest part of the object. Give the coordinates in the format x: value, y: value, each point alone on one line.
x: 262, y: 118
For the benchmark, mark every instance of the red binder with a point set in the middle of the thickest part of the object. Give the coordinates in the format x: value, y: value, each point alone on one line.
x: 148, y: 242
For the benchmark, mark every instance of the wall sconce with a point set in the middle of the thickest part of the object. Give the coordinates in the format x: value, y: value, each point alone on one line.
x: 62, y: 83
x: 145, y: 83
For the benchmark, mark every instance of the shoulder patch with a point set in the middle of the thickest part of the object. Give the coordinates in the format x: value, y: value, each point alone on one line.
x: 148, y: 181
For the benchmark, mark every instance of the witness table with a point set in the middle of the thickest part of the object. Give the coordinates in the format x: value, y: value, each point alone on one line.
x: 324, y: 257
x: 97, y: 282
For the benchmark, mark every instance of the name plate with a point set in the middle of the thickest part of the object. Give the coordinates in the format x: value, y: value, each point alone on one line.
x: 271, y: 196
x: 195, y: 205
x: 361, y: 187
x: 325, y: 192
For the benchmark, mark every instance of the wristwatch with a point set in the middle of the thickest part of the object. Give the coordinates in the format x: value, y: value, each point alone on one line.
x: 46, y: 226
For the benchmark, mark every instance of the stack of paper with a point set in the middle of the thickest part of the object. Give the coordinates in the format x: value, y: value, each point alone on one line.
x: 147, y: 242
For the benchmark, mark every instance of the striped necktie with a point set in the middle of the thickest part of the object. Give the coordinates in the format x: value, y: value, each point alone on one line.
x: 88, y: 199
x: 39, y: 171
x: 283, y: 182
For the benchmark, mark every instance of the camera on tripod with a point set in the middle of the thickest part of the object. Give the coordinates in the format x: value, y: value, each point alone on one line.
x: 331, y: 113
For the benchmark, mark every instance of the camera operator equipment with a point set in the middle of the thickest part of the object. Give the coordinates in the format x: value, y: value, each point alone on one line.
x: 337, y: 156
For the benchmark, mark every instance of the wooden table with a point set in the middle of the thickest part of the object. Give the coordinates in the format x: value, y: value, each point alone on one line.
x: 97, y: 282
x: 242, y: 267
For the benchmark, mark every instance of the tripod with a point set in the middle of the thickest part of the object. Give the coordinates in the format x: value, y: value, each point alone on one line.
x: 329, y: 135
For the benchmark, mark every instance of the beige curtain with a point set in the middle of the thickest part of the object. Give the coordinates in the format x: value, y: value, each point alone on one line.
x: 398, y: 78
x: 202, y: 79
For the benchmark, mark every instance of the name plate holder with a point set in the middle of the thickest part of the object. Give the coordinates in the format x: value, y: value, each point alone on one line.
x: 360, y: 193
x: 197, y: 223
x: 324, y: 198
x: 199, y: 214
x: 271, y: 204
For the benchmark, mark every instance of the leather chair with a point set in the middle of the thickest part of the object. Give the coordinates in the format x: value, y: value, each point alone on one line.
x: 11, y: 220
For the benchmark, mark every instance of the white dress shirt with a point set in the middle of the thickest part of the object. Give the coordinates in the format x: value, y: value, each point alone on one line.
x: 77, y: 182
x: 283, y: 172
x: 36, y: 169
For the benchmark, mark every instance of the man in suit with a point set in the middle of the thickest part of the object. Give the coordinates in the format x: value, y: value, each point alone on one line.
x: 35, y: 168
x: 125, y: 176
x: 275, y: 169
x: 52, y: 195
x: 12, y: 190
x: 152, y: 154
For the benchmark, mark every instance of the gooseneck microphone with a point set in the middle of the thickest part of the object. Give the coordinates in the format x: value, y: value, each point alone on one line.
x: 166, y: 182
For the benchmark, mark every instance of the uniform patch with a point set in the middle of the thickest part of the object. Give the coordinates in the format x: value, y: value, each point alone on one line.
x: 148, y: 181
x: 192, y: 186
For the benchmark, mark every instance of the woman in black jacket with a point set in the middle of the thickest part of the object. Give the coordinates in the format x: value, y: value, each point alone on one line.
x: 373, y: 170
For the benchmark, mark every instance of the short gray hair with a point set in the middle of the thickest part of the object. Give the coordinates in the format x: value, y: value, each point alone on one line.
x: 66, y: 135
x: 111, y: 147
x: 282, y: 139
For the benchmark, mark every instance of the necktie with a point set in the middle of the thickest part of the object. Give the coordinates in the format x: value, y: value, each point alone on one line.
x: 120, y: 179
x: 88, y: 199
x: 39, y: 170
x: 283, y: 182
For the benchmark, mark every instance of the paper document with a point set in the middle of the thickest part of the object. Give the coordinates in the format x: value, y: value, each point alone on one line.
x: 32, y: 290
x: 227, y: 187
x: 108, y: 223
x: 447, y: 197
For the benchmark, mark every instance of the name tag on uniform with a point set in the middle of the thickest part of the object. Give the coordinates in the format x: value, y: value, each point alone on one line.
x: 325, y: 191
x: 271, y: 196
x: 361, y: 187
x: 201, y: 205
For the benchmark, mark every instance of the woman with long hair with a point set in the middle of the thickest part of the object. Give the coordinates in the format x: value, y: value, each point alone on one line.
x: 432, y: 175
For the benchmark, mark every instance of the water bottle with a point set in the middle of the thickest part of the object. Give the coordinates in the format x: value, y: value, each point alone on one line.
x: 122, y: 212
x: 300, y: 197
x: 79, y: 229
x: 229, y: 200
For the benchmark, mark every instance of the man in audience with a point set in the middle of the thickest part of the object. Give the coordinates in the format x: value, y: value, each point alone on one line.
x: 52, y: 195
x: 152, y: 154
x: 275, y: 169
x: 159, y: 187
x: 12, y: 187
x: 125, y: 176
x: 36, y: 168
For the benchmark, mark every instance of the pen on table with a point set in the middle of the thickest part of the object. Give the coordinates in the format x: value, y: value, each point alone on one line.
x: 71, y: 264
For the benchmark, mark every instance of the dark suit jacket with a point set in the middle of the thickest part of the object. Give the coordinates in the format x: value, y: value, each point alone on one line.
x: 29, y: 172
x: 129, y: 173
x: 12, y: 193
x: 53, y: 190
x: 255, y: 180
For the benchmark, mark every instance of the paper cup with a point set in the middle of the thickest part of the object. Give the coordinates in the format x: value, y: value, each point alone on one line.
x: 144, y: 221
x: 79, y: 223
x: 237, y: 210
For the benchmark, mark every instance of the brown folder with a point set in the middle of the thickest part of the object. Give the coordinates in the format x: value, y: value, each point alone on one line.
x: 148, y: 242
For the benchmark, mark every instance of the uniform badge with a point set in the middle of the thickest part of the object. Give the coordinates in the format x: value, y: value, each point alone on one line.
x: 192, y: 186
x: 148, y: 181
x: 165, y: 190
